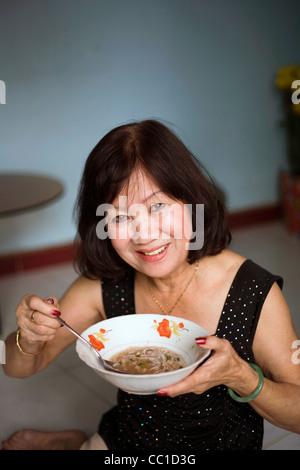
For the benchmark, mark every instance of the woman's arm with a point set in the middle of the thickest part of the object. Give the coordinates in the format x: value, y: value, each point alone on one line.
x: 80, y: 307
x: 279, y: 402
x: 279, y: 399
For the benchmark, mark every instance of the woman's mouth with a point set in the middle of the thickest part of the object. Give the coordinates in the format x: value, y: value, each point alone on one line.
x: 154, y: 254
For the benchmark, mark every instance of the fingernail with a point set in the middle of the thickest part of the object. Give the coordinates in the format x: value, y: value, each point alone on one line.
x: 201, y: 340
x: 162, y: 394
x: 56, y: 313
x: 49, y: 300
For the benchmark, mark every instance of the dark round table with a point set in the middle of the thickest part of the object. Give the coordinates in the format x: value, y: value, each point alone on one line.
x: 23, y: 191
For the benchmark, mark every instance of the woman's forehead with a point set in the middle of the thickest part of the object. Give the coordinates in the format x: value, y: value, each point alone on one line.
x: 139, y: 188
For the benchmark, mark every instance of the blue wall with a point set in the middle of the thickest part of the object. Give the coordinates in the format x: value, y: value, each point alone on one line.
x: 74, y: 69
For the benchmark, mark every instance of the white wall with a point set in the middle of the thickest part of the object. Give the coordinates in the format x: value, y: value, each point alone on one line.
x: 74, y: 69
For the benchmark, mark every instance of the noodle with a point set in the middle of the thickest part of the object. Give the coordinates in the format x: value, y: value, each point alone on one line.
x: 147, y: 360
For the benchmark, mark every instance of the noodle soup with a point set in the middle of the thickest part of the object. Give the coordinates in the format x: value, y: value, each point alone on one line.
x: 147, y: 360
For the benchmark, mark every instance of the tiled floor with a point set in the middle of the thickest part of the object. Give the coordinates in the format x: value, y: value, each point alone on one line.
x: 68, y: 395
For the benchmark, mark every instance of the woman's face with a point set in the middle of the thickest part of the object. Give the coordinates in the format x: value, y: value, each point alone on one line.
x: 149, y: 230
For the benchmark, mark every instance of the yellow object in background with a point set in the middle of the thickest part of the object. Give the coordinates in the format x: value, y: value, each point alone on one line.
x: 286, y: 76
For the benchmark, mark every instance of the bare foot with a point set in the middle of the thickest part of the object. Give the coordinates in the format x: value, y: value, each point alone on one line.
x: 27, y: 439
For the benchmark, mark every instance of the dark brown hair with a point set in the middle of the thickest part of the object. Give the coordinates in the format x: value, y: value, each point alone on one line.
x: 155, y: 149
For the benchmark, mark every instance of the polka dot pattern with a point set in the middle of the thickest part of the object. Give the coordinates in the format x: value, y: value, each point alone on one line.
x: 212, y: 420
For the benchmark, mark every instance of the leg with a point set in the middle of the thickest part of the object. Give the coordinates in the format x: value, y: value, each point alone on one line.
x: 28, y: 439
x: 95, y: 442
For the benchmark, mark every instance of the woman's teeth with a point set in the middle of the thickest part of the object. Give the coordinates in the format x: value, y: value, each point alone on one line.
x: 155, y: 252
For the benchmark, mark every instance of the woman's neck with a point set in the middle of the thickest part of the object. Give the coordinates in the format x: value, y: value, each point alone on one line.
x: 174, y: 282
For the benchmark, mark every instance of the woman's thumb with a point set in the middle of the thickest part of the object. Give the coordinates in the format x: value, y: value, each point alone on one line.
x: 202, y: 341
x: 211, y: 342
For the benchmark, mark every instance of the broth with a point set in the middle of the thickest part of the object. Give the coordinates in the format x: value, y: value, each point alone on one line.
x: 147, y: 360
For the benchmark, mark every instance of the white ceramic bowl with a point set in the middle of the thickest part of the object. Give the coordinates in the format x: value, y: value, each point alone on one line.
x: 119, y: 333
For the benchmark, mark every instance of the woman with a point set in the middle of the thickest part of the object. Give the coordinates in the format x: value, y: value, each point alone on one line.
x: 249, y: 376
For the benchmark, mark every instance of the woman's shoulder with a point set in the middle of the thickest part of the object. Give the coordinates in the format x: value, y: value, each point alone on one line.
x: 83, y: 284
x: 87, y: 293
x: 228, y: 262
x: 233, y: 263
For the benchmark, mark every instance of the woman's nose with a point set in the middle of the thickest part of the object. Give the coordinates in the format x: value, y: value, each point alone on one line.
x: 143, y: 227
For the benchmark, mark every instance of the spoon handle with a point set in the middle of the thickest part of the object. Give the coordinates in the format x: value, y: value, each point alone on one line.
x: 106, y: 364
x: 75, y: 333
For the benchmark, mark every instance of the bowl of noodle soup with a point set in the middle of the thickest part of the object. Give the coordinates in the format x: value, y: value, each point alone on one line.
x: 154, y: 350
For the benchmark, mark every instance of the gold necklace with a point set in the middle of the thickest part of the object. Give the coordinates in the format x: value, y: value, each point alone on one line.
x: 172, y: 308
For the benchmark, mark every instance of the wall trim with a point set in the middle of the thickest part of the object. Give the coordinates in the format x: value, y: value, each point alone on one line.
x: 23, y: 261
x: 255, y: 216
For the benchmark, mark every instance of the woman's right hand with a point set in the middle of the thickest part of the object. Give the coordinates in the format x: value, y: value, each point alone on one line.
x: 36, y: 319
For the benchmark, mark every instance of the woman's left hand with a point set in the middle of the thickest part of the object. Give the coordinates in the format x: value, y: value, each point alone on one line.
x: 224, y: 366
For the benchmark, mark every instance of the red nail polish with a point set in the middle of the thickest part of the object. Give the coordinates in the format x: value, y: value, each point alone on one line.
x: 56, y: 313
x: 201, y: 340
x: 49, y: 300
x: 162, y: 394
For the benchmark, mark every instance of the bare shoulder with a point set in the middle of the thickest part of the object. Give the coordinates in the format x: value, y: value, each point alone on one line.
x: 83, y: 286
x: 83, y: 301
x: 233, y: 260
x: 228, y: 262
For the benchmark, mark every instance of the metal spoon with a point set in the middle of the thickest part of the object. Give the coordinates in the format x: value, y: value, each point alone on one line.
x: 109, y: 365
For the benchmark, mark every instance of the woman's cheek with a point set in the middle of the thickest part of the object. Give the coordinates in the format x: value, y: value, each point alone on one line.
x: 168, y: 226
x: 164, y: 222
x: 119, y: 234
x: 187, y: 223
x: 120, y: 246
x: 176, y: 222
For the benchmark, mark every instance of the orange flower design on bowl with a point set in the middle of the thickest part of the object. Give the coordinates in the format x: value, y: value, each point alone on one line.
x: 166, y: 328
x: 96, y: 343
x: 99, y: 340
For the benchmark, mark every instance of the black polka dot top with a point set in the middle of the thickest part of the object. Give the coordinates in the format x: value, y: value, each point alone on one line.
x: 212, y: 420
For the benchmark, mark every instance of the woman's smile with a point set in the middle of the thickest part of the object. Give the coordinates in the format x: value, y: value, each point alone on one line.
x: 154, y: 254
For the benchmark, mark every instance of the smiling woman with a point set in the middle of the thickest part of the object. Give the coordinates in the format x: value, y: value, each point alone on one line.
x: 149, y: 187
x: 149, y: 164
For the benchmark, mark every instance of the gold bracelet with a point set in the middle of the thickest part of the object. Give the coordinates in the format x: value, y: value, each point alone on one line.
x: 23, y: 352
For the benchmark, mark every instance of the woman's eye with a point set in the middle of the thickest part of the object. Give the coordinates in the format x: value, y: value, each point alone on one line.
x: 157, y: 207
x: 119, y: 218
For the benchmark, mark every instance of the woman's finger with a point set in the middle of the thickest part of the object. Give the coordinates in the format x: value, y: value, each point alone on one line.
x: 203, y: 378
x: 32, y: 303
x: 187, y: 385
x: 213, y: 342
x: 37, y: 317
